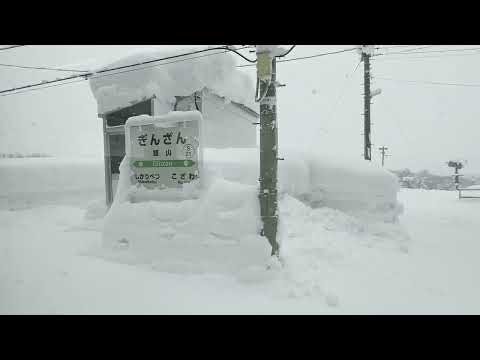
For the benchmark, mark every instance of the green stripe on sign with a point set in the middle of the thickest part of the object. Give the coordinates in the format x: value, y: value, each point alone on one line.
x: 163, y: 163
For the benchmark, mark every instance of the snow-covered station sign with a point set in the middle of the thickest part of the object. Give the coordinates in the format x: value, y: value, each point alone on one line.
x: 164, y: 151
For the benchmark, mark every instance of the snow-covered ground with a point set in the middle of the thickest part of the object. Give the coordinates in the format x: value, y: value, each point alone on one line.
x: 52, y: 228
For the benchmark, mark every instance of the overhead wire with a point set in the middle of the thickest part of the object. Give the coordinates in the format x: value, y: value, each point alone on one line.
x: 94, y: 75
x: 44, y: 87
x: 393, y: 46
x: 287, y: 52
x: 11, y: 47
x: 111, y: 71
x: 428, y: 82
x: 108, y: 71
x: 43, y: 68
x: 417, y: 48
x: 439, y: 56
x: 308, y: 57
x: 428, y: 51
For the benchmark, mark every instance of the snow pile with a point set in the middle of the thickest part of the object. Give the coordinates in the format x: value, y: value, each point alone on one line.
x: 176, y: 77
x: 319, y: 246
x: 215, y: 228
x: 193, y: 228
x: 332, y: 264
x: 354, y: 186
x: 203, y: 254
x: 351, y: 185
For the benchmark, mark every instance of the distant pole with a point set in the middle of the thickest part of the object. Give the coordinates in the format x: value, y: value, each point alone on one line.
x: 266, y: 74
x: 457, y: 165
x: 366, y: 101
x: 457, y: 182
x: 382, y: 149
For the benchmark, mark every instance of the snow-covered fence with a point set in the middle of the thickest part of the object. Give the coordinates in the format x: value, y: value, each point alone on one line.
x: 473, y: 192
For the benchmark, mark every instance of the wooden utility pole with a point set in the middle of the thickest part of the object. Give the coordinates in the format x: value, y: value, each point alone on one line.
x: 266, y: 74
x: 382, y: 149
x: 367, y: 149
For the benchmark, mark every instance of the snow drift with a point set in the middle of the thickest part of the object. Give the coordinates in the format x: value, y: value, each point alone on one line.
x: 320, y: 180
x: 191, y: 247
x: 29, y: 182
x: 202, y: 229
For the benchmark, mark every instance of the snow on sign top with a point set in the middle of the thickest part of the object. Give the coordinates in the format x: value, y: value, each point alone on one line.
x: 170, y: 78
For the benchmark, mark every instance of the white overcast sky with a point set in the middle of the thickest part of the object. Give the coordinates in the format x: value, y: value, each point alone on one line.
x: 423, y: 125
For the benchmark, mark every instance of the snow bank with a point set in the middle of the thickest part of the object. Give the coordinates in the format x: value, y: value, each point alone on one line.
x: 191, y: 247
x: 473, y: 187
x: 170, y: 78
x: 321, y: 247
x: 354, y: 186
x: 30, y: 182
x: 199, y: 229
x: 216, y: 231
x: 348, y: 184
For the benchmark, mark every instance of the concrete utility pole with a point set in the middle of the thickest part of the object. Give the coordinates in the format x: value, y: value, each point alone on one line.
x: 382, y: 149
x: 266, y: 74
x: 366, y: 98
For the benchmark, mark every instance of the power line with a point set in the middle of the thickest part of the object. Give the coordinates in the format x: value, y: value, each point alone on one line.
x: 425, y: 57
x: 42, y: 68
x: 429, y: 51
x: 429, y: 82
x: 116, y: 73
x: 85, y: 76
x: 11, y: 47
x: 94, y: 75
x: 417, y: 48
x: 308, y: 57
x: 394, y: 46
x: 120, y: 72
x: 286, y: 53
x: 314, y: 56
x: 44, y: 87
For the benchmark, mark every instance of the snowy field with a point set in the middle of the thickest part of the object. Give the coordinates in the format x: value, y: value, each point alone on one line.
x: 53, y: 259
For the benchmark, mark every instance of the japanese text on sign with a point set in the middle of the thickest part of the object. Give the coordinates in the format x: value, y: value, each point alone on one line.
x: 164, y: 156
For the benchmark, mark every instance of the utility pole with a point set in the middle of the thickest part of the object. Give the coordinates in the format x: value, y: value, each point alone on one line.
x: 382, y: 149
x: 266, y: 81
x: 457, y: 165
x: 366, y: 99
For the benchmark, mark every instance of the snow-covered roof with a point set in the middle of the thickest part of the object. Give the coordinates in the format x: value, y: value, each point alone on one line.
x: 241, y: 106
x: 170, y: 78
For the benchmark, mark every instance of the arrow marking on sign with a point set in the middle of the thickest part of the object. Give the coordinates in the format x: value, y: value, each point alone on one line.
x: 163, y: 163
